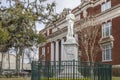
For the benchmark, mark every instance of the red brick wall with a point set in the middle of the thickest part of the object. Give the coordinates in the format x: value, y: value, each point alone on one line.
x: 81, y: 15
x: 97, y: 9
x: 93, y: 11
x: 48, y: 52
x: 116, y: 35
x: 90, y: 11
x: 115, y: 2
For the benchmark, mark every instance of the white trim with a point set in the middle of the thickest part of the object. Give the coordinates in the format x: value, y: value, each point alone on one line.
x: 116, y: 66
x: 52, y: 51
x: 106, y: 60
x: 57, y: 51
x: 62, y: 49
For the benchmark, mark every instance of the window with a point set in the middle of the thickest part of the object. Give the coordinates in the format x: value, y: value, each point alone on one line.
x: 107, y: 29
x: 43, y: 51
x: 106, y: 5
x: 107, y: 52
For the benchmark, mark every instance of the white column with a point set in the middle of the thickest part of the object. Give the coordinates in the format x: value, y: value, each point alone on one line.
x: 57, y: 51
x: 62, y: 50
x: 52, y: 51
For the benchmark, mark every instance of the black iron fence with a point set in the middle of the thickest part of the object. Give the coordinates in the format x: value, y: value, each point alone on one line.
x: 70, y: 70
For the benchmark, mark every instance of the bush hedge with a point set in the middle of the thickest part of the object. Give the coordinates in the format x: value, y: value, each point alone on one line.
x: 116, y: 71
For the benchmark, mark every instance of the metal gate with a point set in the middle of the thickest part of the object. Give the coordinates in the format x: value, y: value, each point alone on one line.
x: 70, y: 70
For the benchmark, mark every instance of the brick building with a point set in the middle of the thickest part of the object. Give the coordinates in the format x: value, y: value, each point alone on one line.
x: 103, y: 13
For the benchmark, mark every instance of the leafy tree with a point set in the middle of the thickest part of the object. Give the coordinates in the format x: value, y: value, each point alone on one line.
x: 4, y: 36
x: 18, y: 22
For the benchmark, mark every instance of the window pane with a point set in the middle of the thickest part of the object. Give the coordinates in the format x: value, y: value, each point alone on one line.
x: 110, y: 28
x: 107, y: 52
x: 103, y: 30
x: 104, y: 55
x: 109, y: 4
x: 107, y: 29
x: 106, y: 6
x: 110, y: 54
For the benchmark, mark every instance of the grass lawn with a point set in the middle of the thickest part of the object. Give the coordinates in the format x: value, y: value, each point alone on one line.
x: 41, y: 79
x: 15, y: 79
x: 113, y: 78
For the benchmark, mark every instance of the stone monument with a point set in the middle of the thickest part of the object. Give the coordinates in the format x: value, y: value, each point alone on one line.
x: 70, y: 46
x: 70, y: 50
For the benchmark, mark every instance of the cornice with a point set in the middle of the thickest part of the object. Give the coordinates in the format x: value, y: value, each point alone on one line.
x: 107, y: 15
x: 99, y: 18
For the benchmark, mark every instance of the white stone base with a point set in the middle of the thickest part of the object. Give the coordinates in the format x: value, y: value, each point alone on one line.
x: 70, y: 72
x: 71, y: 55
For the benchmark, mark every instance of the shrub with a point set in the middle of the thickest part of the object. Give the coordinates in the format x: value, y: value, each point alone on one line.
x: 2, y: 76
x: 9, y: 75
x: 116, y: 71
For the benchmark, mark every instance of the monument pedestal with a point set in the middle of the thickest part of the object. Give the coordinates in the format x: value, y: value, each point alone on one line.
x: 70, y: 52
x: 71, y: 58
x: 70, y: 71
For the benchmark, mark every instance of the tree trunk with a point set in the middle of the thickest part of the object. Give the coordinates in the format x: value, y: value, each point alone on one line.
x: 88, y: 59
x: 22, y: 60
x: 17, y: 62
x: 8, y: 60
x: 1, y: 63
x: 29, y: 56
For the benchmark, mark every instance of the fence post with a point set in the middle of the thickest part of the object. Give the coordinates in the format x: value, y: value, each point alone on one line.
x: 73, y: 69
x: 47, y: 70
x: 110, y: 72
x: 32, y: 70
x: 39, y: 68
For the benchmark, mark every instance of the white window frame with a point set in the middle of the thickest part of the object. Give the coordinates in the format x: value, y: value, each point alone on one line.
x: 105, y: 26
x: 106, y: 5
x: 106, y: 48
